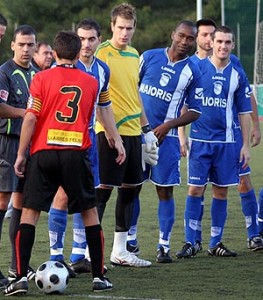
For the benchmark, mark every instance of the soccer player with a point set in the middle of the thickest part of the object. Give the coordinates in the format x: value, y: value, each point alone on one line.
x: 15, y: 77
x: 56, y: 128
x: 212, y: 154
x: 123, y: 61
x: 206, y: 28
x: 42, y: 58
x: 89, y: 32
x: 167, y: 77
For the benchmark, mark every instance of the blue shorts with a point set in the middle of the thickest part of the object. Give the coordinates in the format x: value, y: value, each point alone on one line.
x: 212, y: 162
x: 239, y: 144
x: 167, y: 171
x: 93, y: 157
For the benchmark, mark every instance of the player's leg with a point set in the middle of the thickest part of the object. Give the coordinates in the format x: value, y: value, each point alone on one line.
x: 129, y: 175
x: 79, y: 186
x: 250, y: 211
x: 198, y: 170
x: 224, y: 173
x: 260, y: 213
x: 8, y: 182
x: 132, y: 243
x: 166, y: 217
x: 57, y: 223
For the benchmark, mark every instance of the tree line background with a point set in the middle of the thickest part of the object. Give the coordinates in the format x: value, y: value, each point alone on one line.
x: 156, y: 18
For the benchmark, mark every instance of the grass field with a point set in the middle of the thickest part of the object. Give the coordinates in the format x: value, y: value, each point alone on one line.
x: 202, y: 277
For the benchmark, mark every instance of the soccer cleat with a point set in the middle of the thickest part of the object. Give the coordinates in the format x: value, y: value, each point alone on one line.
x: 30, y: 274
x: 255, y: 243
x: 17, y: 287
x: 198, y: 247
x: 81, y: 266
x: 134, y: 249
x: 128, y: 260
x: 221, y: 250
x: 187, y: 251
x: 101, y: 285
x: 3, y: 281
x: 163, y: 255
x: 71, y: 273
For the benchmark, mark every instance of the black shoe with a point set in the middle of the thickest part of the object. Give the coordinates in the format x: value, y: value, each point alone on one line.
x: 134, y: 249
x: 3, y: 281
x: 163, y: 255
x: 81, y: 266
x: 17, y: 287
x: 255, y: 243
x: 101, y: 285
x: 187, y: 251
x: 71, y: 273
x: 31, y: 274
x: 221, y: 250
x: 198, y: 247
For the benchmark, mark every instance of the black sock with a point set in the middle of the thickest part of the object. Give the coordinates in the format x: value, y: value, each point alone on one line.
x: 102, y: 197
x: 24, y: 243
x: 13, y: 227
x: 95, y: 238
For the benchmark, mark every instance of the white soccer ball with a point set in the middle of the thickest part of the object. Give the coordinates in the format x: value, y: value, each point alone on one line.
x: 52, y: 277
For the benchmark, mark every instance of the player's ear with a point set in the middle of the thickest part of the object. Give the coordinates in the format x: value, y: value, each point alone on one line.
x: 233, y: 46
x: 54, y: 54
x: 172, y: 35
x: 12, y: 45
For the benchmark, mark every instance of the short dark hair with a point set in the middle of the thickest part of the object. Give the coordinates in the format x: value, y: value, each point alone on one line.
x: 124, y: 10
x: 24, y: 30
x: 3, y: 20
x: 186, y: 23
x: 39, y: 44
x: 205, y: 22
x: 224, y: 29
x: 88, y: 24
x: 67, y: 44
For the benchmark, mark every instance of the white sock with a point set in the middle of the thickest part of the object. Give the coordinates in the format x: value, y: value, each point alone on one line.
x: 119, y: 243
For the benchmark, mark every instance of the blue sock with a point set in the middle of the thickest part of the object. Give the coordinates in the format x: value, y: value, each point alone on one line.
x: 132, y: 234
x: 57, y: 223
x: 79, y: 239
x: 218, y: 218
x: 191, y: 215
x: 260, y: 212
x: 250, y: 211
x: 166, y: 213
x: 198, y: 233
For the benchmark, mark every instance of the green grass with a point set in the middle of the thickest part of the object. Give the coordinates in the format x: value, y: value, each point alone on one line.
x: 202, y: 277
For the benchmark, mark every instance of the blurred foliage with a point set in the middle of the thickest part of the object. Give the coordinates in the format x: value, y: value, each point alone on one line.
x: 156, y: 19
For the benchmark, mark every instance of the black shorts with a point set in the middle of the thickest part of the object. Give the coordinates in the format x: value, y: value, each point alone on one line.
x: 49, y: 169
x: 8, y: 151
x: 130, y: 172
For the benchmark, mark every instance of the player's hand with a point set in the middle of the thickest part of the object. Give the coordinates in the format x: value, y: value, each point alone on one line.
x: 150, y: 157
x: 151, y: 140
x: 244, y: 156
x: 255, y: 136
x: 161, y: 131
x: 20, y: 165
x: 118, y: 145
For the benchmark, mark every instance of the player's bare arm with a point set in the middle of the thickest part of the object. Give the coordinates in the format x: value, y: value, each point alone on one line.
x: 245, y: 127
x: 187, y: 118
x: 255, y: 135
x: 8, y: 111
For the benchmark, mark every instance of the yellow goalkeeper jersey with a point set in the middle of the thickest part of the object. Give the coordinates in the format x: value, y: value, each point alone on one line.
x: 124, y: 79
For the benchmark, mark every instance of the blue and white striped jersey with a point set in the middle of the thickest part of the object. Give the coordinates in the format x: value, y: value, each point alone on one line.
x: 224, y: 96
x: 101, y: 72
x: 164, y: 86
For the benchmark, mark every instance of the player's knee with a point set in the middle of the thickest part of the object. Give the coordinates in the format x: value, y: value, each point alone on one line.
x: 244, y: 184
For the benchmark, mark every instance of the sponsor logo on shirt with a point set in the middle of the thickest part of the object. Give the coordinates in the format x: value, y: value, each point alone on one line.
x: 155, y: 92
x: 4, y: 95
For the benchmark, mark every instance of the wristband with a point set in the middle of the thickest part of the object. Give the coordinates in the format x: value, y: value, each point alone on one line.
x: 146, y: 128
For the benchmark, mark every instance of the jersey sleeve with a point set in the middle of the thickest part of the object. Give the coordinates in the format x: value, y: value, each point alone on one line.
x: 34, y: 103
x: 4, y: 87
x: 242, y: 96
